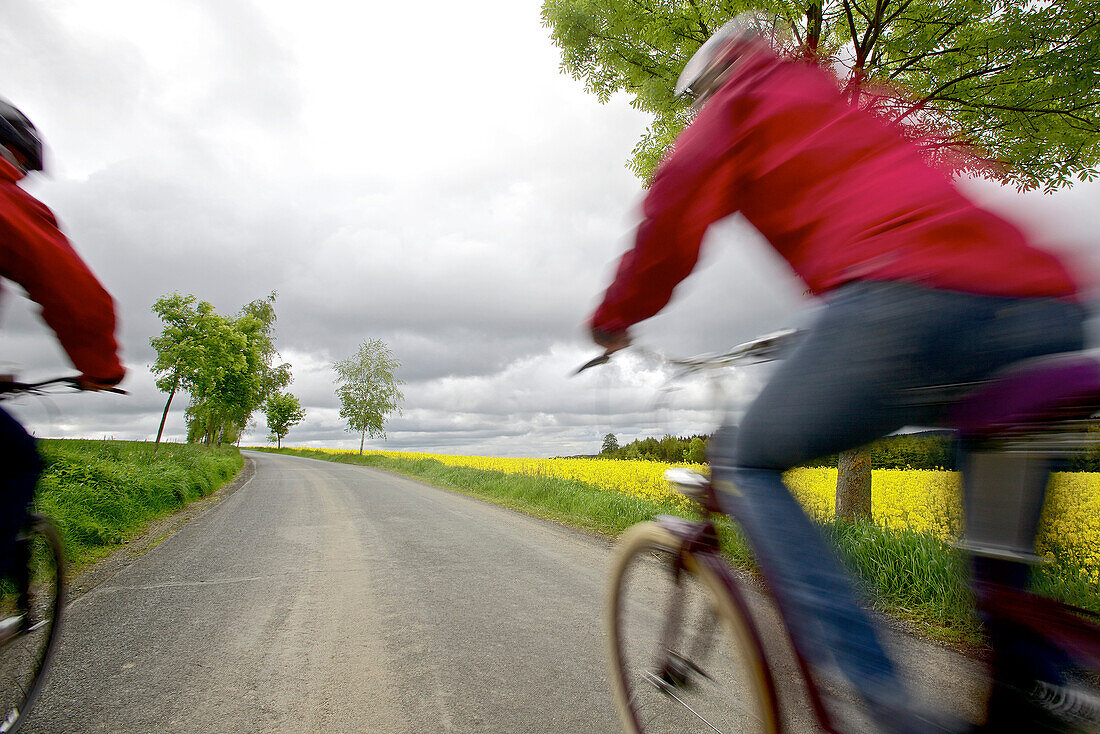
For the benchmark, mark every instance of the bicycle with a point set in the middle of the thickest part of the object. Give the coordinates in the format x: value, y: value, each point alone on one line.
x: 684, y: 650
x: 32, y: 598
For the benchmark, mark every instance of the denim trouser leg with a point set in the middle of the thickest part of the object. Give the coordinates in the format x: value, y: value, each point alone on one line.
x: 843, y: 387
x: 21, y: 467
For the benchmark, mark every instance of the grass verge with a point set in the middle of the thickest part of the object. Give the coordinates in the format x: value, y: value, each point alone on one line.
x: 101, y: 493
x: 911, y: 576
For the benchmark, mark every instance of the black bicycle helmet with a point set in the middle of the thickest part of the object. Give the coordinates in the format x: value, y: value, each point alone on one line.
x: 20, y: 135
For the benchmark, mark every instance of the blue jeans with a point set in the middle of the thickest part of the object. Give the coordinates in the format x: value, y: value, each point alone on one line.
x: 19, y: 470
x: 842, y: 388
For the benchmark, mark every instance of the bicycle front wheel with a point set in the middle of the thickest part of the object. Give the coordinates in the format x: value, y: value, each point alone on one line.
x: 683, y: 655
x: 31, y: 599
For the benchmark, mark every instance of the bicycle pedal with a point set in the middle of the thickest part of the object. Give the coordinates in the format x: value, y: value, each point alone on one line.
x: 12, y: 626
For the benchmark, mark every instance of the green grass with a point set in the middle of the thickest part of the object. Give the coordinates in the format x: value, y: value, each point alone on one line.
x: 908, y: 575
x: 101, y: 493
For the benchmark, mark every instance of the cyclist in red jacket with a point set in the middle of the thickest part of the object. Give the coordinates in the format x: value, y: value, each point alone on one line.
x: 36, y: 255
x: 920, y: 288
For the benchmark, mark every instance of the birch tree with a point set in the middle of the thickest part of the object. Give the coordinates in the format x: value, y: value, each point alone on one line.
x: 368, y: 389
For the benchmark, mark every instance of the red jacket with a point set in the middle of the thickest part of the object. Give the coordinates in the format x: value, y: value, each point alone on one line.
x: 36, y: 255
x: 837, y: 191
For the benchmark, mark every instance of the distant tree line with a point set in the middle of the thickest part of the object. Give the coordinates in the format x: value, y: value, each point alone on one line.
x: 929, y: 450
x: 669, y: 449
x: 925, y: 450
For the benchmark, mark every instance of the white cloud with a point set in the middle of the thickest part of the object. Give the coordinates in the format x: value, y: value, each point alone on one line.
x: 447, y: 190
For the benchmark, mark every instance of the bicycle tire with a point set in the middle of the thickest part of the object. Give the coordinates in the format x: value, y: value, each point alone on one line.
x: 33, y: 620
x: 721, y: 683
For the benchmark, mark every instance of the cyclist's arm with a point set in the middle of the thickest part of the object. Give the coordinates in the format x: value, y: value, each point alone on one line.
x: 36, y: 255
x: 693, y: 188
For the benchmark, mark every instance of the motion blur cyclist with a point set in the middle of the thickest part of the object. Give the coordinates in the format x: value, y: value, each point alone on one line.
x: 36, y: 255
x: 920, y: 288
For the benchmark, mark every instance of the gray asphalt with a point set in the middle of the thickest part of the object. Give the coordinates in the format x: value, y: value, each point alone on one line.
x: 331, y: 598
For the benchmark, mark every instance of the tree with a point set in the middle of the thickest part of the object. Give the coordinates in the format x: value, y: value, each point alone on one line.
x: 696, y: 452
x: 610, y: 444
x: 177, y: 348
x: 195, y: 352
x: 260, y: 377
x: 1012, y: 79
x: 853, y: 485
x: 224, y: 364
x: 283, y: 411
x: 368, y: 389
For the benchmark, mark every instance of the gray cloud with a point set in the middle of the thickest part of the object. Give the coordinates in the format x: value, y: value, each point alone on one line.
x: 452, y: 194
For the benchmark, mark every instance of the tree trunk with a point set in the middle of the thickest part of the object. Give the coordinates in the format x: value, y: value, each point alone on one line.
x: 362, y: 438
x: 164, y: 415
x: 278, y: 442
x: 853, y: 485
x: 813, y: 27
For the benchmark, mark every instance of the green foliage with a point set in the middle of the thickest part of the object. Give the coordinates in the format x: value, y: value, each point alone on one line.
x: 670, y: 449
x: 180, y: 348
x: 907, y: 451
x: 1014, y: 79
x: 224, y: 364
x: 1089, y: 458
x: 610, y: 444
x: 103, y: 492
x: 937, y: 450
x: 368, y: 389
x: 282, y: 411
x: 696, y: 452
x: 931, y: 450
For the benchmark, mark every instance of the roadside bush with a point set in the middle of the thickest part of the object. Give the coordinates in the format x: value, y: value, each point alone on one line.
x: 102, y: 492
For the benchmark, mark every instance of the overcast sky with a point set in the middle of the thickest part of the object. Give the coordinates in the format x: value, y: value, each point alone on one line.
x: 433, y: 181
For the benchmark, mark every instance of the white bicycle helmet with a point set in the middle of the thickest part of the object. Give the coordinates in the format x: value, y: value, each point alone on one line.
x: 709, y: 68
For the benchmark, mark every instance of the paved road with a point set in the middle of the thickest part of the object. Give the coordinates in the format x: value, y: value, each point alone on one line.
x: 331, y: 598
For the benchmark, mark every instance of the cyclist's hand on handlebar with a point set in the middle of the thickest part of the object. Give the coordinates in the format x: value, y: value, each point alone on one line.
x: 95, y: 384
x: 611, y: 341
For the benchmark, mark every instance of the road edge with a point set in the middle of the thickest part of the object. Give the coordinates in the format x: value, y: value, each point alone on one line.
x: 154, y: 534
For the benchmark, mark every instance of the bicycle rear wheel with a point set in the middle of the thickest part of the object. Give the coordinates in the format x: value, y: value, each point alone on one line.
x: 683, y: 655
x: 30, y: 611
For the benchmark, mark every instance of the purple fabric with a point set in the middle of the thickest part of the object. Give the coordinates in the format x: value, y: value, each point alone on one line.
x: 1065, y: 386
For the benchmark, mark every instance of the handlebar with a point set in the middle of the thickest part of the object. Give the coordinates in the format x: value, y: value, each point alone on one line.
x: 10, y: 387
x: 766, y: 348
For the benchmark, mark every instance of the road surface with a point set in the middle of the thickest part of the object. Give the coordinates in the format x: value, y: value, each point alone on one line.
x: 323, y: 597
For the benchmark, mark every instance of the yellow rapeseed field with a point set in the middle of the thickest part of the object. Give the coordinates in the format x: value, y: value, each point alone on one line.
x: 925, y: 501
x: 643, y: 479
